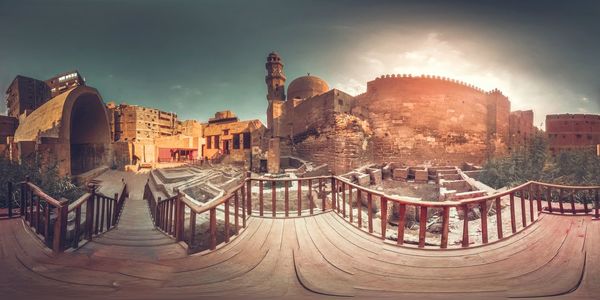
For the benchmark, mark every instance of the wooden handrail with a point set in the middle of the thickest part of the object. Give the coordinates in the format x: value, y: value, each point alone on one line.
x: 79, y: 202
x: 170, y: 213
x: 292, y: 179
x: 567, y: 187
x: 38, y: 192
x: 100, y: 215
x: 212, y: 204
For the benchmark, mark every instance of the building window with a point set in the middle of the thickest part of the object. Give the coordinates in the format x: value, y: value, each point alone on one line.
x: 217, y: 146
x: 247, y: 140
x: 236, y: 141
x: 209, y: 142
x: 226, y: 132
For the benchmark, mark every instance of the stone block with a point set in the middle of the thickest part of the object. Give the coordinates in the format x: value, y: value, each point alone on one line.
x: 400, y: 174
x: 363, y: 179
x: 421, y: 176
x: 386, y: 171
x: 376, y: 176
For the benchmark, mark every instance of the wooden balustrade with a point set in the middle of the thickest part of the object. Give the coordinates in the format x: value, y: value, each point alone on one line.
x: 91, y: 214
x: 493, y: 212
x: 282, y: 202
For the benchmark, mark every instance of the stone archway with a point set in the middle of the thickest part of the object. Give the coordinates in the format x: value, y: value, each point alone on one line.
x: 89, y: 134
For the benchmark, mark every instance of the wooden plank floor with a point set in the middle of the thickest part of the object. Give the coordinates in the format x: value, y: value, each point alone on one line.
x: 318, y: 256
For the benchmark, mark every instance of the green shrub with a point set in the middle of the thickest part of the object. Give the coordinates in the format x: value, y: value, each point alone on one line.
x: 45, y: 176
x: 577, y: 167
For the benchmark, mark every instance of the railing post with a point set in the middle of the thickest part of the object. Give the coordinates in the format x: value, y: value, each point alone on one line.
x: 422, y: 226
x: 286, y: 198
x: 157, y: 218
x: 549, y: 198
x: 26, y: 194
x: 531, y: 197
x: 359, y: 201
x: 538, y: 192
x: 343, y: 199
x: 243, y: 194
x: 597, y: 213
x: 350, y: 203
x: 523, y: 210
x: 401, y: 221
x: 323, y: 204
x: 299, y: 205
x: 179, y: 217
x: 572, y: 198
x: 227, y: 220
x: 499, y: 217
x: 22, y: 199
x: 333, y: 192
x: 465, y: 239
x: 560, y: 203
x: 9, y: 191
x: 60, y: 226
x: 260, y: 198
x: 249, y: 193
x: 115, y: 209
x: 484, y: 222
x: 370, y: 211
x: 273, y: 199
x: 213, y: 228
x: 89, y: 214
x: 585, y: 203
x: 310, y: 197
x: 445, y: 227
x: 383, y: 216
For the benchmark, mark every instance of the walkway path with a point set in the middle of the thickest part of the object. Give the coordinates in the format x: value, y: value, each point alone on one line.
x: 135, y: 237
x: 314, y: 256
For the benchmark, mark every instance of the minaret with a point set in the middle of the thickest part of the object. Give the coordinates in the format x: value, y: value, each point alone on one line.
x: 275, y: 81
x: 275, y: 78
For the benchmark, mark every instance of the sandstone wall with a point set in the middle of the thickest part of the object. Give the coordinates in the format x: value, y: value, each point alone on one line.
x: 342, y: 143
x: 424, y: 119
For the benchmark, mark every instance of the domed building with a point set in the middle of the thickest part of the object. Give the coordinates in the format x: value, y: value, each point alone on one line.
x: 305, y: 87
x: 309, y: 102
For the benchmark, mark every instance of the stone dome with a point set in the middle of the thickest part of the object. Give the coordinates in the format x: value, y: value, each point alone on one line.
x: 306, y: 87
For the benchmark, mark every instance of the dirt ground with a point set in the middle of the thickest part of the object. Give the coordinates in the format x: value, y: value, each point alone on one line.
x: 425, y: 191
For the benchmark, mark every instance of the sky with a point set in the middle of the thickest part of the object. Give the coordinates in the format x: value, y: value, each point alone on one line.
x: 198, y: 57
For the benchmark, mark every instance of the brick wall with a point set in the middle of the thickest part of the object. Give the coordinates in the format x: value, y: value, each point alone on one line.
x: 572, y: 131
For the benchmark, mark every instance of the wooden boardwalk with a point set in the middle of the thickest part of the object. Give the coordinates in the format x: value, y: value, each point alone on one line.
x: 313, y: 256
x: 135, y: 237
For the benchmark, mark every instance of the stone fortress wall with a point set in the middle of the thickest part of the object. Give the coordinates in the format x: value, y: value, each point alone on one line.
x: 433, y: 119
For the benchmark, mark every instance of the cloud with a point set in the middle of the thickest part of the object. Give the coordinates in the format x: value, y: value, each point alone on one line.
x: 177, y: 87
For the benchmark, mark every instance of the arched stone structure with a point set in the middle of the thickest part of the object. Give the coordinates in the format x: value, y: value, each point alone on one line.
x: 72, y: 128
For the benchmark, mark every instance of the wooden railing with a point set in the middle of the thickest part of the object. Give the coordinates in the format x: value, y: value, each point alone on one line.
x: 498, y: 216
x: 169, y: 215
x: 61, y: 225
x: 310, y: 196
x: 509, y: 211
